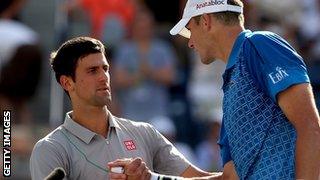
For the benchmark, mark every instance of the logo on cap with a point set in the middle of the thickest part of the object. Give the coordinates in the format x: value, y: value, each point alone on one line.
x: 209, y: 3
x: 129, y: 145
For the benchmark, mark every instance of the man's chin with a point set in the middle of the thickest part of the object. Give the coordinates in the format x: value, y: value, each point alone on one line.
x: 207, y: 61
x: 103, y: 101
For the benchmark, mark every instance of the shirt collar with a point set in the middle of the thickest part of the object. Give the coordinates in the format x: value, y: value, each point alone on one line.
x: 113, y: 122
x: 236, y: 48
x: 83, y: 133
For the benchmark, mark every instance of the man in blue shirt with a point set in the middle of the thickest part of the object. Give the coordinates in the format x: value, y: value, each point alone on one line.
x: 271, y: 126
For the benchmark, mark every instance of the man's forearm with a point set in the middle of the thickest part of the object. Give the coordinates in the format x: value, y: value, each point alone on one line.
x: 193, y: 171
x: 308, y: 154
x: 214, y: 176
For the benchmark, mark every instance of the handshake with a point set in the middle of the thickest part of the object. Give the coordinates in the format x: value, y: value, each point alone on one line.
x: 134, y: 169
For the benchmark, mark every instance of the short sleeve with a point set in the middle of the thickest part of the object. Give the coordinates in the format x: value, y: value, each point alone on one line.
x: 224, y: 146
x: 166, y: 158
x: 44, y: 159
x: 274, y: 63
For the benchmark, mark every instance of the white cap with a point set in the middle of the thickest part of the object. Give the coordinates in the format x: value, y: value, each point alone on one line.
x: 197, y: 7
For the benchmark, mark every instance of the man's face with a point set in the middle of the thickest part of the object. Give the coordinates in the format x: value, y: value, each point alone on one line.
x: 92, y: 81
x: 199, y: 41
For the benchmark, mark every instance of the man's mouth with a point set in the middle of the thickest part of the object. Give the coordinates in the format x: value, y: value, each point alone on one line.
x: 103, y: 89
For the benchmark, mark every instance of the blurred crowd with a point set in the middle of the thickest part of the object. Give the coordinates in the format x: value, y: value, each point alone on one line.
x: 155, y: 77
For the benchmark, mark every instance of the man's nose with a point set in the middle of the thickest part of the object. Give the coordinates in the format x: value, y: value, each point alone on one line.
x: 104, y: 76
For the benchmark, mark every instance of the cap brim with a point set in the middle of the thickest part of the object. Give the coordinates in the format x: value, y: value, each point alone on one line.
x: 180, y: 28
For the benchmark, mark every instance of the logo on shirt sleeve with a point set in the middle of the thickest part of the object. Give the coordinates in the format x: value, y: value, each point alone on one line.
x: 129, y: 145
x: 278, y: 75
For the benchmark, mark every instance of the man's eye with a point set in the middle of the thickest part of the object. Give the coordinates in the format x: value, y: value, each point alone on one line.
x: 106, y: 68
x: 92, y: 71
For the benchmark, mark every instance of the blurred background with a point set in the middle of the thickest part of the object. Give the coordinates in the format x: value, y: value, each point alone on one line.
x: 182, y: 98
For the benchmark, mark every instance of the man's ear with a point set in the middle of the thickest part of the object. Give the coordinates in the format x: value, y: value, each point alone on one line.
x: 206, y: 21
x: 66, y: 83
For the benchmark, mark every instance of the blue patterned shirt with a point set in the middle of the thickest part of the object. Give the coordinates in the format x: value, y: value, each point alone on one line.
x: 255, y: 133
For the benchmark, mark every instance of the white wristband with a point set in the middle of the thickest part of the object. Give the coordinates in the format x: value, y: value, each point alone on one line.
x: 154, y: 176
x: 118, y: 169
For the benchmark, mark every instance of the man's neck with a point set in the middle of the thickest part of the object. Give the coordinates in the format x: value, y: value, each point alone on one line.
x: 227, y: 43
x: 95, y: 119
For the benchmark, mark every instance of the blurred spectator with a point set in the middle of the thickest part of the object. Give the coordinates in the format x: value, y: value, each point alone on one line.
x: 62, y: 19
x: 168, y: 129
x: 208, y: 152
x: 144, y: 67
x: 310, y: 19
x: 269, y: 16
x: 101, y: 10
x: 109, y: 19
x: 275, y: 9
x: 20, y: 65
x: 180, y: 106
x: 204, y: 90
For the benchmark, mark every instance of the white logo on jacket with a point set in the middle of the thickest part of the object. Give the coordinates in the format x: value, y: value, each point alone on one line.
x: 278, y: 76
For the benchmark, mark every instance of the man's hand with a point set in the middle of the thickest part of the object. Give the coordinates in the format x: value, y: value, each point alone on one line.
x: 133, y: 169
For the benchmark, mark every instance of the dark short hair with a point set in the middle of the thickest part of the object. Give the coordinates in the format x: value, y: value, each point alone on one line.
x: 227, y: 17
x: 65, y: 60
